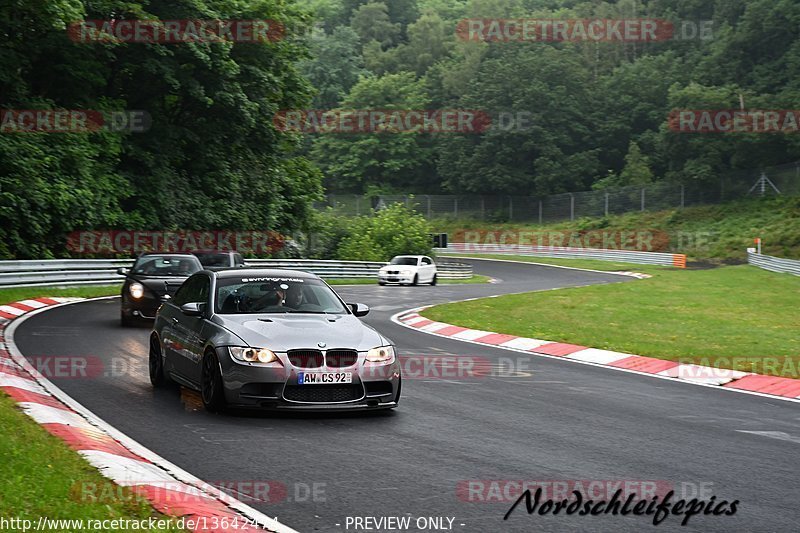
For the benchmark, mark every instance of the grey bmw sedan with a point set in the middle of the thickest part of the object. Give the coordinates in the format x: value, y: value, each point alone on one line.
x: 271, y: 339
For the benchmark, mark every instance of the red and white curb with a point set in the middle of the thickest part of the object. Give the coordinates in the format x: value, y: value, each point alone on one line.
x: 770, y: 386
x: 169, y: 489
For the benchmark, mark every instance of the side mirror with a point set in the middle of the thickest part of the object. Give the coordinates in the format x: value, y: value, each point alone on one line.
x: 122, y: 271
x: 193, y: 309
x: 359, y: 309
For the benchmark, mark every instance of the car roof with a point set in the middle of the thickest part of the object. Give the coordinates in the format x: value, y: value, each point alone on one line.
x: 417, y: 256
x: 167, y: 254
x: 263, y: 273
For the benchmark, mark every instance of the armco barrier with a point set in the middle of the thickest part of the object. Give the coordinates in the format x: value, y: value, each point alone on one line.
x: 50, y: 272
x: 774, y: 264
x: 625, y: 256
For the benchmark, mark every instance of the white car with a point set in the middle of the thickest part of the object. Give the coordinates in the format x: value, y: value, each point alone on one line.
x: 408, y: 269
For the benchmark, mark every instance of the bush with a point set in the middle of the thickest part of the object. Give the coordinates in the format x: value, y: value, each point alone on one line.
x: 392, y: 231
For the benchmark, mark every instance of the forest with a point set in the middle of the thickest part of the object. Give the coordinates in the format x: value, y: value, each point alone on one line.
x: 580, y: 114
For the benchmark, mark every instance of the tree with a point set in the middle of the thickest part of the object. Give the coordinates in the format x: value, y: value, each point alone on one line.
x: 351, y: 162
x: 637, y: 167
x: 371, y: 22
x: 335, y: 66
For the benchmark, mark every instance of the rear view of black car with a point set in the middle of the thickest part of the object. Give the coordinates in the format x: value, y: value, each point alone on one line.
x: 153, y: 278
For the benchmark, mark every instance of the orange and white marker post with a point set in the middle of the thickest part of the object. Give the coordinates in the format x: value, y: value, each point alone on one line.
x: 757, y: 240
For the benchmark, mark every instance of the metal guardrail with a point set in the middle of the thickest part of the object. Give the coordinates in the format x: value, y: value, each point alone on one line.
x: 53, y: 272
x: 774, y: 264
x: 625, y: 256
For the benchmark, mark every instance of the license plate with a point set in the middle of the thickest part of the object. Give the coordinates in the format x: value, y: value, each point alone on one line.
x: 324, y: 378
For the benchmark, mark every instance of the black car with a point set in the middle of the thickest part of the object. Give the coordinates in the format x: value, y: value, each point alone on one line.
x: 214, y: 260
x: 153, y: 278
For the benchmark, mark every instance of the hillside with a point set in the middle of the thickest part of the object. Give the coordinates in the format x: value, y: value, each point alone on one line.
x: 715, y: 233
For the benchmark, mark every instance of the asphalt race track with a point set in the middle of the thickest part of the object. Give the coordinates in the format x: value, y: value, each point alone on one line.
x: 555, y: 421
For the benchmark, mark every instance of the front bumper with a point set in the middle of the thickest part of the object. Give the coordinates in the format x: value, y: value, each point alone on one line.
x: 395, y: 278
x: 276, y: 387
x: 145, y: 307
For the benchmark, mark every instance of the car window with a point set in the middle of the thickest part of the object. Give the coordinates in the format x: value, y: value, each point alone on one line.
x: 245, y: 295
x: 211, y: 260
x: 159, y: 265
x: 426, y: 261
x: 238, y: 260
x: 194, y: 290
x: 400, y: 260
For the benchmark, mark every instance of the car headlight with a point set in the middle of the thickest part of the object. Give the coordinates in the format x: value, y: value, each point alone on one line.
x: 136, y: 290
x: 406, y: 272
x: 381, y: 354
x: 252, y: 355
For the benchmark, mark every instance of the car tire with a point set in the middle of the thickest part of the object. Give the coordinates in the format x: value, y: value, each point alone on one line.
x: 155, y: 362
x: 433, y: 281
x: 416, y: 280
x: 381, y: 283
x: 211, y: 388
x: 125, y: 321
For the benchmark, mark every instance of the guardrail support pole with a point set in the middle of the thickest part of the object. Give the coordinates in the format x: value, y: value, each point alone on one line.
x: 571, y: 206
x: 642, y: 198
x: 540, y: 212
x: 606, y: 204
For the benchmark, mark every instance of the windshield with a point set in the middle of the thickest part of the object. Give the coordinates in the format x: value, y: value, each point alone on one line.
x: 213, y: 260
x: 244, y: 295
x: 403, y: 261
x: 160, y: 265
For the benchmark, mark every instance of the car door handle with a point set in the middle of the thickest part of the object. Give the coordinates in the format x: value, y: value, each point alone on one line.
x: 174, y: 320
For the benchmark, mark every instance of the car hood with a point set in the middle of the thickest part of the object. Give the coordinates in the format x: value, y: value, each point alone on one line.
x: 282, y: 332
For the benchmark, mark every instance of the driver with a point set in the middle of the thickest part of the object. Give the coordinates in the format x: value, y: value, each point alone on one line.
x: 294, y: 297
x: 273, y: 296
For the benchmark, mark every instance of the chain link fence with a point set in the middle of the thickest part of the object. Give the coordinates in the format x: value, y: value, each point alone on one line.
x: 779, y: 180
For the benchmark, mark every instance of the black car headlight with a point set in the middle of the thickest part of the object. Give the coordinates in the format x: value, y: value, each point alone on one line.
x: 252, y: 355
x: 136, y: 290
x: 381, y: 354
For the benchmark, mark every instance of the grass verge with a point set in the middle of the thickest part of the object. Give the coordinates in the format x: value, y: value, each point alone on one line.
x: 713, y: 233
x: 25, y: 293
x: 590, y: 264
x: 737, y: 317
x: 43, y: 477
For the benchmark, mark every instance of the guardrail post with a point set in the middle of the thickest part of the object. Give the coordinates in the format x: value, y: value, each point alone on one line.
x: 642, y: 198
x: 540, y: 212
x: 571, y: 206
x: 606, y: 204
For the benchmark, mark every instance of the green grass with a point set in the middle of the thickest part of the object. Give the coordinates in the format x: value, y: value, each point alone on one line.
x: 705, y: 316
x: 590, y: 264
x: 41, y: 476
x: 25, y: 293
x: 715, y: 233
